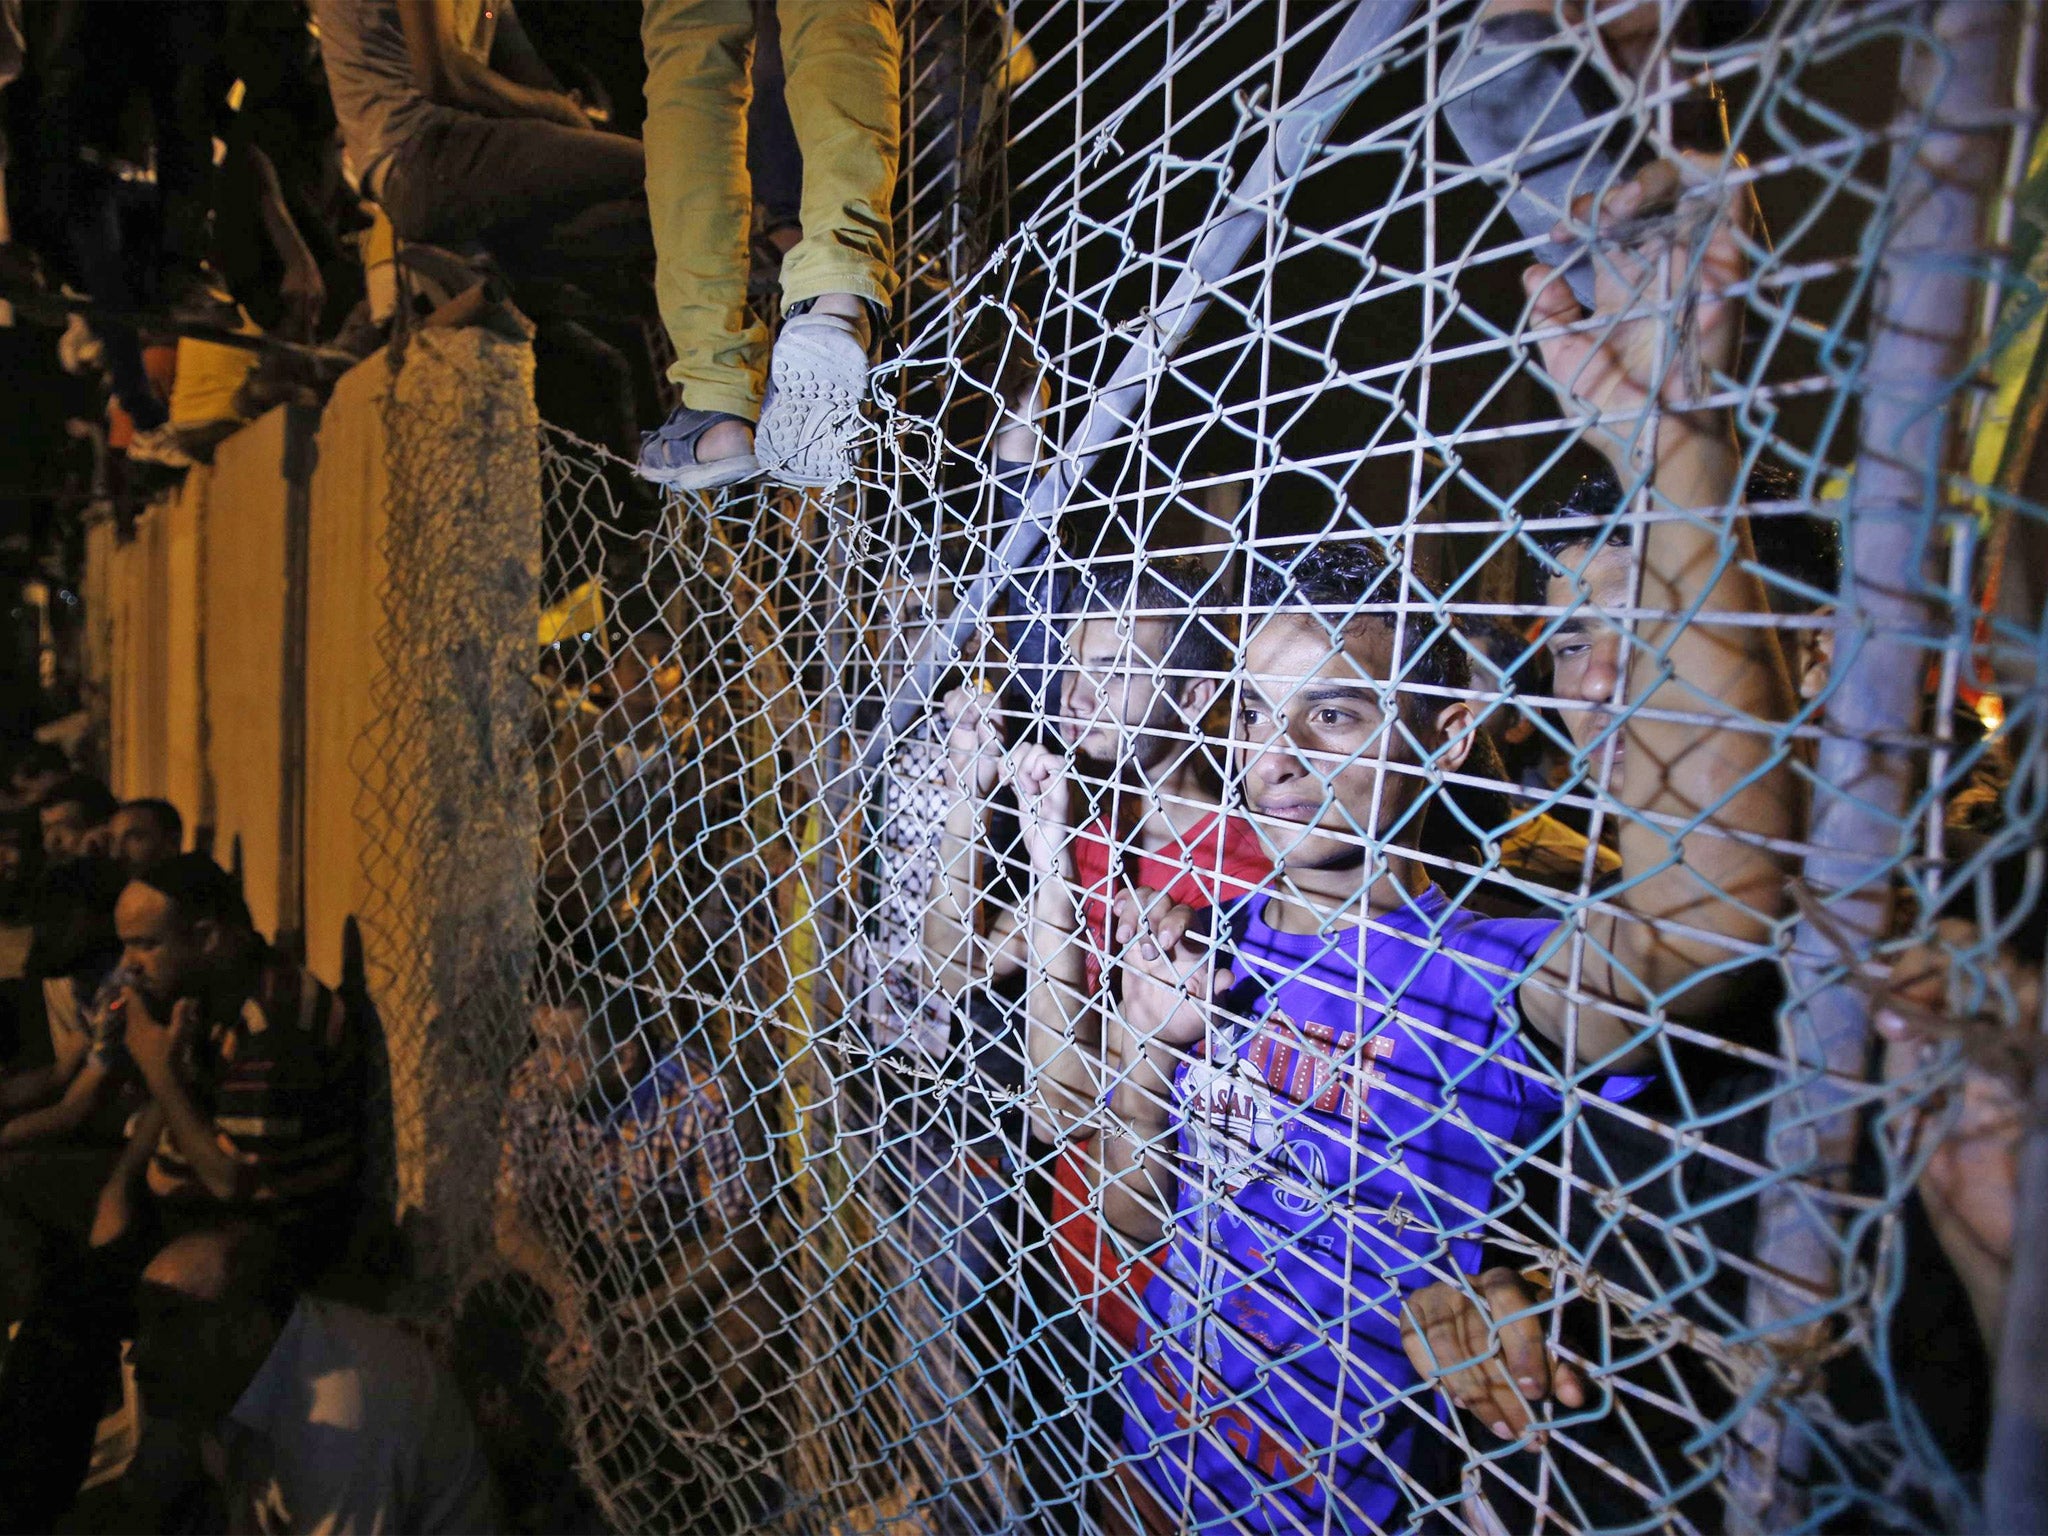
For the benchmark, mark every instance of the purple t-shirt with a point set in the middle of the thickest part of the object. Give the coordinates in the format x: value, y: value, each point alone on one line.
x: 1348, y: 1140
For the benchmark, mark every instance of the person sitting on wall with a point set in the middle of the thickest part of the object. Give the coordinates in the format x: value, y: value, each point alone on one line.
x: 255, y: 1077
x: 842, y: 62
x: 454, y: 125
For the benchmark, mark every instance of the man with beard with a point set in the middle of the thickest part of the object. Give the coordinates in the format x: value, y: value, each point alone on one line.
x: 255, y: 1082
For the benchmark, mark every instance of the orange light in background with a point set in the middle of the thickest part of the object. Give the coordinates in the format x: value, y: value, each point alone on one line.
x: 1991, y: 710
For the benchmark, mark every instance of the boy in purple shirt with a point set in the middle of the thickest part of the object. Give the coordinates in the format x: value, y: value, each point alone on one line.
x: 1328, y: 1099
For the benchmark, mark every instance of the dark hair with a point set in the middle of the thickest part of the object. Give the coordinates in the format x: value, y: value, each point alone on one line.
x: 1803, y: 547
x: 87, y: 793
x: 1352, y: 584
x: 1159, y: 587
x: 199, y: 889
x: 164, y: 814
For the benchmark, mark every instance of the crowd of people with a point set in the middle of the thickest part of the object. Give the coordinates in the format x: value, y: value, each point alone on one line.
x: 1293, y: 1049
x: 1293, y: 1000
x: 305, y: 174
x: 183, y: 1115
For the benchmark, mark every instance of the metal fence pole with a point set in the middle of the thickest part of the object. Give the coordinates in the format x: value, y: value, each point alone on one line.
x: 1924, y: 314
x: 1339, y: 76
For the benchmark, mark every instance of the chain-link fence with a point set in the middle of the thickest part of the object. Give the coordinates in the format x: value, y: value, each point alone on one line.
x: 1328, y: 809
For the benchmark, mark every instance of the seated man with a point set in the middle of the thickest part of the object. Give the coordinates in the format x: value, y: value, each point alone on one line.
x: 70, y: 815
x: 454, y: 125
x: 76, y: 1088
x: 73, y: 898
x: 70, y: 959
x: 311, y: 1415
x: 40, y: 768
x: 255, y: 1080
x: 1321, y: 1105
x: 84, y: 1089
x: 62, y: 1127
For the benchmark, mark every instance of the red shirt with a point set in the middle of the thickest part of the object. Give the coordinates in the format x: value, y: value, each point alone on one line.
x: 1218, y: 859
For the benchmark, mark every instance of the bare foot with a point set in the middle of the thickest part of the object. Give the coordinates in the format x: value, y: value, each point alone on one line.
x: 724, y: 440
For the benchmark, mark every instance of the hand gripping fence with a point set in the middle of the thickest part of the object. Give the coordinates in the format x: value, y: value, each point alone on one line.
x: 1274, y: 921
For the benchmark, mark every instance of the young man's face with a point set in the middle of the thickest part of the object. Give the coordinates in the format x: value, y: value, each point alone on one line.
x: 139, y: 840
x: 64, y: 827
x: 1586, y: 653
x: 1117, y: 704
x: 1311, y: 734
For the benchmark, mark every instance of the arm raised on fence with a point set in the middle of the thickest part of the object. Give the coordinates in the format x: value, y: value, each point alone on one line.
x: 1690, y: 896
x: 1063, y: 1028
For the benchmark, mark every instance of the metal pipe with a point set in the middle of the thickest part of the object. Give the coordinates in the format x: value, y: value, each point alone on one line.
x: 1336, y: 82
x: 1923, y: 322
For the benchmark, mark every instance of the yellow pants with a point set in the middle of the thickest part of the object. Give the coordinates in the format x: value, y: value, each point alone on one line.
x: 841, y: 58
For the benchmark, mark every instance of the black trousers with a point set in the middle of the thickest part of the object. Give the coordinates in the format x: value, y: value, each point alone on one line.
x: 553, y: 204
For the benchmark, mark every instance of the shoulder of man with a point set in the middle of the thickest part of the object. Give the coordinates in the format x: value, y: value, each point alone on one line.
x: 289, y: 1016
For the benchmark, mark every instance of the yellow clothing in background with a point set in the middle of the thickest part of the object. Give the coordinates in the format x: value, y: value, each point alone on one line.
x: 841, y: 58
x: 209, y: 373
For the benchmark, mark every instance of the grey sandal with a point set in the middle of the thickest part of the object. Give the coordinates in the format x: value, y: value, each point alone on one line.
x: 668, y: 454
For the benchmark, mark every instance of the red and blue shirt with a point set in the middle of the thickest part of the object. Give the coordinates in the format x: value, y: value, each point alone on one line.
x: 1357, y: 1122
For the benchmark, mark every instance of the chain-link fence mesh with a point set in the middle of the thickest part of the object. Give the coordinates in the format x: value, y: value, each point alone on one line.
x: 1251, y: 569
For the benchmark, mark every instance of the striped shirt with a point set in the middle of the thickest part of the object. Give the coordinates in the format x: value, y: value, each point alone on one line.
x: 282, y: 1083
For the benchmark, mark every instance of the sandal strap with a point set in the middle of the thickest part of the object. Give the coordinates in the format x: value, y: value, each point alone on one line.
x: 685, y: 426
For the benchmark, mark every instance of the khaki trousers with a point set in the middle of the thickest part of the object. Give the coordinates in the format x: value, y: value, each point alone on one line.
x: 842, y: 60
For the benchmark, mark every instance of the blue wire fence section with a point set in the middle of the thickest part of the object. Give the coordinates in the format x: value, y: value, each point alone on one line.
x: 1563, y: 702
